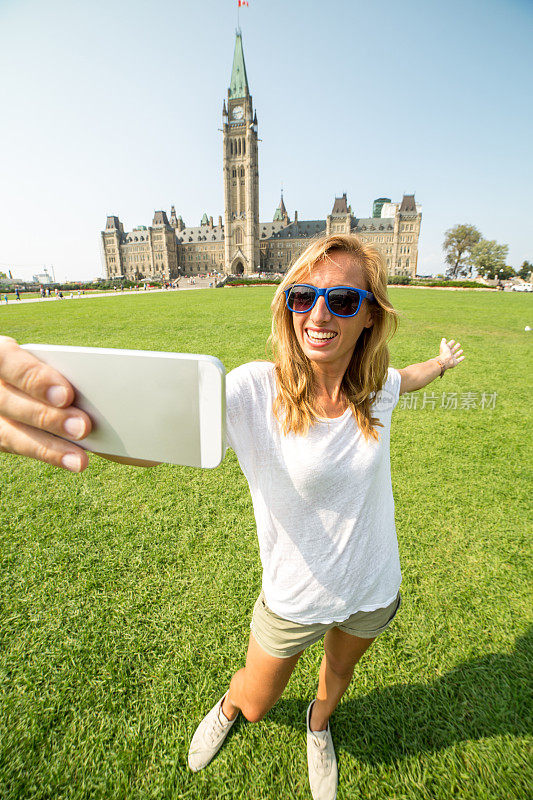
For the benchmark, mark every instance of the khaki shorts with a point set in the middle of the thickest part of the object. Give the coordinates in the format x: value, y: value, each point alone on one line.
x: 282, y: 638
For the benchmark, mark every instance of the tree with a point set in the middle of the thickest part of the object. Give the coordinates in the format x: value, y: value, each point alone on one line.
x: 488, y: 258
x: 3, y: 274
x: 525, y: 270
x: 506, y: 272
x: 458, y: 244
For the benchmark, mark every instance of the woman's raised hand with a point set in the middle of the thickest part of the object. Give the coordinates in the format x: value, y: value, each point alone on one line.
x: 36, y: 409
x: 450, y: 353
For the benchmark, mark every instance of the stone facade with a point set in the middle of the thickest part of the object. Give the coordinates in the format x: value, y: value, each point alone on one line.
x: 242, y: 244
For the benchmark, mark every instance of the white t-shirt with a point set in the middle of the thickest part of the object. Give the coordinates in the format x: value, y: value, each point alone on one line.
x: 323, y: 502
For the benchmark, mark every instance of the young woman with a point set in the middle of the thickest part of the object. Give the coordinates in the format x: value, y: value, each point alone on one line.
x: 312, y: 435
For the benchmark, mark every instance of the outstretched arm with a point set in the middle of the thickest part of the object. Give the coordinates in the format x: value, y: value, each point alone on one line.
x: 416, y: 376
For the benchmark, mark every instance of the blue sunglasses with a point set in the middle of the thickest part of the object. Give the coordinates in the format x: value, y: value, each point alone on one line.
x: 342, y: 301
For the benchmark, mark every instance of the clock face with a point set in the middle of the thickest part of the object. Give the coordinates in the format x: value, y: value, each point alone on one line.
x: 238, y: 112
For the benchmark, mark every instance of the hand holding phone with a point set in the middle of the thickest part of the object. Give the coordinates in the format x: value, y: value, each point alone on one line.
x: 146, y: 405
x: 37, y: 410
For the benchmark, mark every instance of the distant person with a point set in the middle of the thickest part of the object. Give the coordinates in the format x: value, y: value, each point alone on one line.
x: 17, y: 294
x: 5, y: 299
x: 311, y: 432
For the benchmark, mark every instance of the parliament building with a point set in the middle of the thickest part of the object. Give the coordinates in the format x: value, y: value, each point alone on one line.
x: 240, y: 244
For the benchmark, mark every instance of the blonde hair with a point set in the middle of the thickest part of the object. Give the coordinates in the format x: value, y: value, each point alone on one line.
x: 295, y: 405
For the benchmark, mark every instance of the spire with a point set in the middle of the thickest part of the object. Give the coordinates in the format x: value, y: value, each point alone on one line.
x: 239, y: 82
x: 281, y: 212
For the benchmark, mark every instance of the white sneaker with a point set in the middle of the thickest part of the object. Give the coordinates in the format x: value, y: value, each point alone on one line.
x: 208, y: 738
x: 321, y: 762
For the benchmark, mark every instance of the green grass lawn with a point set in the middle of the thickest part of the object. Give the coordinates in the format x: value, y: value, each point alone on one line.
x: 126, y: 594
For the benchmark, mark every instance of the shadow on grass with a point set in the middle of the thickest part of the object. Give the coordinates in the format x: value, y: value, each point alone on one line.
x: 485, y: 697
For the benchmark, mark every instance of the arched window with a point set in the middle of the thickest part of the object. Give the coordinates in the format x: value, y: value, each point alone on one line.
x: 244, y: 147
x: 238, y: 235
x: 239, y: 147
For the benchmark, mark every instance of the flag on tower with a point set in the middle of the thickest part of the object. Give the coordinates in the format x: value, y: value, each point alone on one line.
x: 241, y: 3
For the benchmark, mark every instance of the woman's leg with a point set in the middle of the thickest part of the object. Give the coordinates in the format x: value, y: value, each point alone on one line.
x: 259, y: 685
x: 342, y: 651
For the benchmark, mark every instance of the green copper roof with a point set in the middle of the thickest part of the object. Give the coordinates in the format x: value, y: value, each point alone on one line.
x: 204, y: 221
x: 281, y: 211
x: 239, y: 82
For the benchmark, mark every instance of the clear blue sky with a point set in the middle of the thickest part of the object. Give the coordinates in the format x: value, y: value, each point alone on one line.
x: 114, y: 108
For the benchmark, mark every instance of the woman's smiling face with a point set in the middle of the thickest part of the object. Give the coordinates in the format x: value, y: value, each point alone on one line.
x: 328, y: 341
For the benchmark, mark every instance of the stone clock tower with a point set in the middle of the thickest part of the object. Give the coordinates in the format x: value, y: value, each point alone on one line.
x: 241, y: 173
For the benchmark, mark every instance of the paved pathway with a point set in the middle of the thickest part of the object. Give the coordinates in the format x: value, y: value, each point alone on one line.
x: 66, y: 295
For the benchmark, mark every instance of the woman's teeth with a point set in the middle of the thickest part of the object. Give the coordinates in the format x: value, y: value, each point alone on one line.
x: 319, y: 336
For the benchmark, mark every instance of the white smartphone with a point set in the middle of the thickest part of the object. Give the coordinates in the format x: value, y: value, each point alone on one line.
x: 143, y: 404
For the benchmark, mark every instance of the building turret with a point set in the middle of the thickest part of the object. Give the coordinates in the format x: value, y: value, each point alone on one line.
x: 340, y: 206
x: 114, y: 224
x: 340, y: 219
x: 111, y: 240
x: 408, y: 205
x: 407, y: 222
x: 280, y: 214
x: 160, y: 220
x: 163, y: 256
